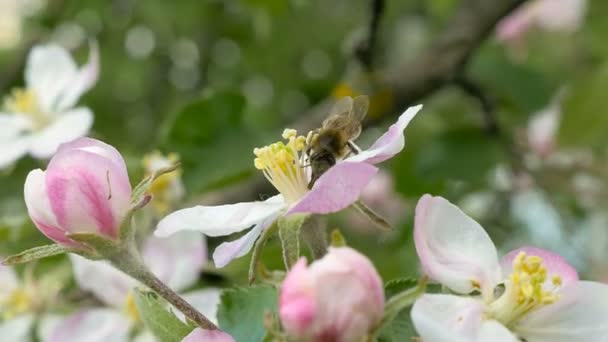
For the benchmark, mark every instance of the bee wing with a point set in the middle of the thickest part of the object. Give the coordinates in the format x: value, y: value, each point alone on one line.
x: 346, y: 116
x: 360, y: 107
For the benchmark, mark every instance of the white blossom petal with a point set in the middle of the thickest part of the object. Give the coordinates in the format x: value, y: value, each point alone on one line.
x: 83, y: 80
x: 447, y: 318
x: 49, y: 70
x: 205, y: 301
x: 390, y: 143
x: 176, y: 260
x: 67, y: 127
x: 8, y: 281
x: 17, y: 329
x: 220, y: 220
x: 454, y: 249
x: 580, y: 314
x: 95, y: 325
x: 229, y: 251
x: 107, y: 283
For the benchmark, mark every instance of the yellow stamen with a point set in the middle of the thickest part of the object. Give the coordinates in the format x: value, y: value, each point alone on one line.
x: 25, y: 102
x: 130, y: 308
x: 283, y: 165
x: 17, y: 302
x: 525, y: 291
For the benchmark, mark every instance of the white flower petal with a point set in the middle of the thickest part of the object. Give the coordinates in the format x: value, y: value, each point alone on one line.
x: 580, y: 314
x: 176, y: 260
x: 454, y: 249
x: 107, y: 283
x: 447, y: 318
x: 48, y: 71
x: 12, y: 150
x: 205, y: 301
x: 220, y: 220
x: 228, y: 251
x: 495, y: 332
x: 47, y: 324
x: 83, y: 80
x: 11, y: 126
x: 95, y: 325
x: 17, y: 329
x: 8, y: 281
x: 67, y: 127
x: 390, y: 143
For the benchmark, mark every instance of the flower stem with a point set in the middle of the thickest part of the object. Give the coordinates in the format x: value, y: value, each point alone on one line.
x: 129, y: 262
x: 315, y: 234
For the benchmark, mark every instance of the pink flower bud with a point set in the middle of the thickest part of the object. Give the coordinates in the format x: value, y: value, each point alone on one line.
x: 85, y: 189
x: 337, y: 298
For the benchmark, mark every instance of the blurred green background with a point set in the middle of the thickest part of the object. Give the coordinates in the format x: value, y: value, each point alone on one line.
x: 211, y: 80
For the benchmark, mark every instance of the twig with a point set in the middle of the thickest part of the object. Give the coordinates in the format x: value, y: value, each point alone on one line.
x: 365, y: 51
x: 488, y: 112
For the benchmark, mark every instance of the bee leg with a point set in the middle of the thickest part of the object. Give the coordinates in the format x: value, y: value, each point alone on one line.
x: 353, y: 147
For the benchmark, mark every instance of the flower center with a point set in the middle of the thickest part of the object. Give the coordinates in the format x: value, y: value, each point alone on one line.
x: 25, y: 103
x: 17, y: 302
x: 163, y: 188
x: 526, y: 289
x: 130, y: 308
x: 283, y: 165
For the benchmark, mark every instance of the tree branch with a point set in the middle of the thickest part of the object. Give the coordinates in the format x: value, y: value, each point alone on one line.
x: 438, y: 66
x: 365, y: 51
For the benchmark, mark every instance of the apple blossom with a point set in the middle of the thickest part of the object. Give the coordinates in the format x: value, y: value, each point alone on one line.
x: 23, y: 302
x: 177, y: 261
x: 85, y: 189
x: 337, y: 298
x: 531, y: 294
x: 548, y: 15
x: 37, y: 119
x: 285, y: 166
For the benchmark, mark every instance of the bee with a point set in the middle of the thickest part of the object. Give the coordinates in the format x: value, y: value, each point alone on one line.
x: 334, y: 140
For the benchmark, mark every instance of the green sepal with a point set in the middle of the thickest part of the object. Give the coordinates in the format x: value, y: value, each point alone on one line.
x: 35, y: 253
x: 102, y: 246
x: 289, y: 234
x: 140, y: 189
x: 254, y: 264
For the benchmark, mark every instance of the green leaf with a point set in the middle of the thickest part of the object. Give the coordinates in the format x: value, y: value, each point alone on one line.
x: 34, y: 254
x: 161, y: 322
x: 396, y: 286
x: 241, y: 311
x: 584, y: 121
x: 214, y: 144
x: 449, y: 156
x: 401, y: 327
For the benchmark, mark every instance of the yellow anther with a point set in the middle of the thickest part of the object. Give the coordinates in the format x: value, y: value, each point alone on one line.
x: 556, y: 280
x: 281, y: 163
x: 289, y: 133
x: 533, y: 262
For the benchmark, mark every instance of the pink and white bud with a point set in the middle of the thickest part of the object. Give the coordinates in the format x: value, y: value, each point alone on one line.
x: 337, y: 298
x: 85, y: 189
